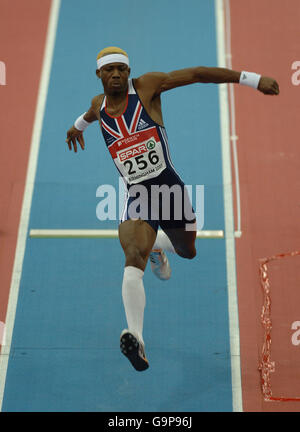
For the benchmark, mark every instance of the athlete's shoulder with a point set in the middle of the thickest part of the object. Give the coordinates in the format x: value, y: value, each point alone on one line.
x: 97, y: 101
x: 150, y: 82
x: 150, y: 78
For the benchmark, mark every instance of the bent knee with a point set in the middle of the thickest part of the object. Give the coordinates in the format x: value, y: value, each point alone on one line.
x: 191, y: 254
x: 188, y: 254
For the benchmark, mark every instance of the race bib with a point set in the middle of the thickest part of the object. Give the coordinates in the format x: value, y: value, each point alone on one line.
x: 139, y: 157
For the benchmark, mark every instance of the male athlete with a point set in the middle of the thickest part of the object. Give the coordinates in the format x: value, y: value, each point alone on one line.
x: 130, y: 117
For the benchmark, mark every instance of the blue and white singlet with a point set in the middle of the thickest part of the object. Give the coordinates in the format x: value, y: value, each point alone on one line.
x: 139, y: 147
x: 137, y: 144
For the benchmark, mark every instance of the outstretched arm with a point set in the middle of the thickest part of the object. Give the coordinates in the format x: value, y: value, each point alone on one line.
x: 222, y: 75
x: 160, y: 82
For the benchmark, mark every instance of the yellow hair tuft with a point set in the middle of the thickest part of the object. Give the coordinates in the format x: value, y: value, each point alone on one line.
x: 111, y: 50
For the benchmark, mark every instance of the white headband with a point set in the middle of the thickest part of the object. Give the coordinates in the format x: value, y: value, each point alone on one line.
x: 112, y: 58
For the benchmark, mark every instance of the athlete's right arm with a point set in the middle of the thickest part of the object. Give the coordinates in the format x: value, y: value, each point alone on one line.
x: 74, y: 134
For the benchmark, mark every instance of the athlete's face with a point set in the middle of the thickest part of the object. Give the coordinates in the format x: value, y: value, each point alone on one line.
x: 114, y: 77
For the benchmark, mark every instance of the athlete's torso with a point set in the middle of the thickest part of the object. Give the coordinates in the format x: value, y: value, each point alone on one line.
x: 137, y: 144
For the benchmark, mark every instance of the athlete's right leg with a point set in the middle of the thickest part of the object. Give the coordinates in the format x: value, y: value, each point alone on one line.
x: 137, y: 238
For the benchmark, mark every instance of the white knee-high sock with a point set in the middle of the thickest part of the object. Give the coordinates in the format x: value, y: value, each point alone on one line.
x: 134, y: 299
x: 163, y: 242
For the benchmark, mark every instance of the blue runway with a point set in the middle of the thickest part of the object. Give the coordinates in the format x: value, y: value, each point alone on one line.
x: 65, y: 349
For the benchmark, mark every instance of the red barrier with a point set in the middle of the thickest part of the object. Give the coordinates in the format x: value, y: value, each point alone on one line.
x: 266, y: 365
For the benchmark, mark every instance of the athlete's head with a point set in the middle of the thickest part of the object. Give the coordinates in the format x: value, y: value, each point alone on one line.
x: 113, y: 69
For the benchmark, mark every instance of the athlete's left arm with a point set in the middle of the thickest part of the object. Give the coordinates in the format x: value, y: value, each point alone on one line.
x: 218, y: 75
x: 160, y: 82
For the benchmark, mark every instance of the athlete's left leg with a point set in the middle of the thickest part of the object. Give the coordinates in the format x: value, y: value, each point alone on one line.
x: 176, y: 235
x: 179, y: 235
x: 177, y: 220
x: 182, y: 240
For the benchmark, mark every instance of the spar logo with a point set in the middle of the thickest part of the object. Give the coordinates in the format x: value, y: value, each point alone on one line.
x: 133, y: 151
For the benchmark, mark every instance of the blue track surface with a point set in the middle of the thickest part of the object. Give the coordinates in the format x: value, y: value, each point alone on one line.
x: 65, y: 350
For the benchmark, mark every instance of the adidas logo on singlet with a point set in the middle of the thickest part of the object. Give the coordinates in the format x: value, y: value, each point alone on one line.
x: 142, y: 124
x: 110, y: 140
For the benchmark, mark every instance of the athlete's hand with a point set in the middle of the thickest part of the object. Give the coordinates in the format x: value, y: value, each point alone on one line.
x: 268, y: 86
x: 74, y: 135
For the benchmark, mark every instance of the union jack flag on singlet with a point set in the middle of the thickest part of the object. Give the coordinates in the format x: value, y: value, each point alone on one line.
x: 137, y: 144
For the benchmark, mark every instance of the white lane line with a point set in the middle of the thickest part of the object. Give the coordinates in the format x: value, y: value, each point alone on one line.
x: 229, y: 218
x: 27, y: 198
x: 101, y: 233
x: 233, y: 137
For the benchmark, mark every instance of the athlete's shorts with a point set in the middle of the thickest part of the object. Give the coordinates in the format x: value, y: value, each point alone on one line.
x: 162, y: 202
